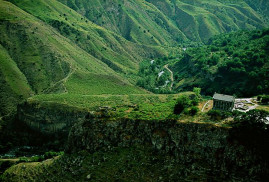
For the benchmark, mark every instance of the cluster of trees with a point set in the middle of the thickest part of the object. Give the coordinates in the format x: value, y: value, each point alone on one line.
x: 188, y: 104
x: 264, y: 99
x: 149, y: 76
x: 234, y: 63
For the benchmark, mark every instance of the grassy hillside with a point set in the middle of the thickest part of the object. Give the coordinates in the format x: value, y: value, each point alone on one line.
x: 137, y: 21
x: 165, y: 22
x: 135, y: 106
x: 14, y: 85
x: 46, y: 61
x: 261, y: 6
x: 118, y: 53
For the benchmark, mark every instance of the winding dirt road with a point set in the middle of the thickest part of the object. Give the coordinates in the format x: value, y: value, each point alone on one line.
x: 171, y: 76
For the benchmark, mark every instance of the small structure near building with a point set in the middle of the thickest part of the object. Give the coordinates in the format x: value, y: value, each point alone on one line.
x: 223, y: 102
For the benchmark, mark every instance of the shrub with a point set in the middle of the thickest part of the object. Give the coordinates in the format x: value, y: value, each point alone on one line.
x: 195, y: 101
x: 23, y: 159
x: 186, y: 104
x: 218, y: 114
x: 197, y: 91
x: 265, y: 99
x: 214, y: 114
x: 182, y: 102
x: 193, y: 110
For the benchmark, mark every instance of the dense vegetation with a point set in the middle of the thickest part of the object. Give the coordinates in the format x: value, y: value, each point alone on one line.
x: 264, y: 99
x: 154, y: 76
x: 142, y: 106
x: 234, y: 63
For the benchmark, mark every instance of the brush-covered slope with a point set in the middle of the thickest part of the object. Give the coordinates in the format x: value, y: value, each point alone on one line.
x: 115, y: 51
x: 137, y: 21
x: 36, y: 58
x: 169, y: 22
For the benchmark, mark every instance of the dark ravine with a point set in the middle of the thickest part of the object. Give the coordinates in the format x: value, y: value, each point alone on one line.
x: 204, y: 144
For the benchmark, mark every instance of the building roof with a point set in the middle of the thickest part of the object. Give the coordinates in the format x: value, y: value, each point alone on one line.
x: 222, y: 97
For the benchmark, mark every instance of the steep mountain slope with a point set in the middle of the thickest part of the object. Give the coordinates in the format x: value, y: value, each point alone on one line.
x: 200, y: 20
x: 261, y: 6
x: 138, y: 21
x: 159, y: 22
x: 42, y: 60
x: 110, y: 48
x: 13, y: 84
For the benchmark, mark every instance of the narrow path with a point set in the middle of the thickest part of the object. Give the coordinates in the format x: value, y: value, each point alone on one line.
x: 171, y: 76
x: 205, y: 105
x: 12, y: 159
x: 63, y: 81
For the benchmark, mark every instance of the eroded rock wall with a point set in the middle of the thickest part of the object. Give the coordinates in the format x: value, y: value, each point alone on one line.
x: 203, y: 145
x: 49, y: 120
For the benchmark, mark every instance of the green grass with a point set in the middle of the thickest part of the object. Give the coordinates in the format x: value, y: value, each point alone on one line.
x: 119, y: 54
x: 136, y: 106
x: 96, y: 84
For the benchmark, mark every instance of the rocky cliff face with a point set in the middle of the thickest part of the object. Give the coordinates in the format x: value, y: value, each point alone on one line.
x: 48, y: 120
x: 203, y: 145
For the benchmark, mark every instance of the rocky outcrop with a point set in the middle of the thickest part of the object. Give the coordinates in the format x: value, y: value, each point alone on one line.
x: 49, y: 120
x: 203, y: 145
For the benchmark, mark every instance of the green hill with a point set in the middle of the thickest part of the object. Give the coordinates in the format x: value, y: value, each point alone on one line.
x: 261, y: 6
x: 43, y: 60
x: 165, y: 22
x: 94, y: 47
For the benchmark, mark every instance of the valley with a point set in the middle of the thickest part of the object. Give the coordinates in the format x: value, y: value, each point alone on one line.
x: 121, y: 90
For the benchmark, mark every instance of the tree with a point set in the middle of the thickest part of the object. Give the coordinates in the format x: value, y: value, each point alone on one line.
x: 193, y: 110
x: 214, y: 114
x: 183, y: 102
x: 265, y: 99
x: 259, y: 97
x: 197, y: 91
